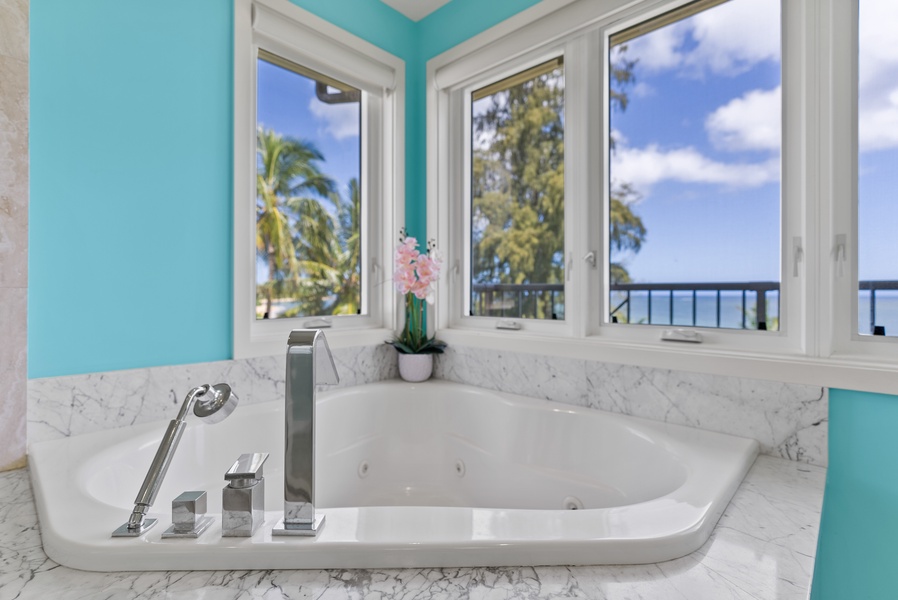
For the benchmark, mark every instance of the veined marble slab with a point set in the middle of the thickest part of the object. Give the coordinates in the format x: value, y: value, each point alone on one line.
x: 762, y: 549
x: 70, y: 405
x: 789, y: 420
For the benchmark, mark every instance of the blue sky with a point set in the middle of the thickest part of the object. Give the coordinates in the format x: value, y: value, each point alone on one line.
x: 700, y: 142
x: 286, y: 103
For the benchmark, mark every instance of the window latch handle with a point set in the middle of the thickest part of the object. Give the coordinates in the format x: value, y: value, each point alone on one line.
x: 797, y: 254
x: 590, y: 257
x: 840, y: 253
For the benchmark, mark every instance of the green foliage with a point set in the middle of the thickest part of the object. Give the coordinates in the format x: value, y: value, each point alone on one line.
x: 518, y: 185
x: 312, y: 252
x: 413, y: 338
x: 627, y: 231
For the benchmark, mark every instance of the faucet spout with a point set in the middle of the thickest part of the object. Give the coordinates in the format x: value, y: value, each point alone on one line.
x: 309, y: 363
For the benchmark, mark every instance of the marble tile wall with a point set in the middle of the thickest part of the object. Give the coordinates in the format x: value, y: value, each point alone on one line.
x: 75, y: 404
x: 788, y: 420
x: 13, y: 229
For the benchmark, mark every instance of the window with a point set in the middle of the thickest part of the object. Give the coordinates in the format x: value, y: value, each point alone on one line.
x: 318, y: 178
x: 877, y: 106
x: 308, y: 195
x: 694, y: 176
x: 517, y: 195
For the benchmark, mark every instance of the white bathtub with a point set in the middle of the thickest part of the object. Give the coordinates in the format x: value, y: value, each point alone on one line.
x: 433, y: 474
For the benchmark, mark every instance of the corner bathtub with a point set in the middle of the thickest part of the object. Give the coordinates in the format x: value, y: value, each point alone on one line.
x: 408, y: 475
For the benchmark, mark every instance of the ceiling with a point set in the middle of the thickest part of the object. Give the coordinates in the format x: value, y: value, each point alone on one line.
x: 415, y: 9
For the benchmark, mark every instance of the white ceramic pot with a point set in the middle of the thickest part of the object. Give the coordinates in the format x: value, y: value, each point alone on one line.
x: 415, y: 367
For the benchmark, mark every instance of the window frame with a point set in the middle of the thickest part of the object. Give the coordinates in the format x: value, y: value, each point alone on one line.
x: 840, y: 159
x: 792, y: 199
x: 273, y: 25
x: 812, y: 346
x: 461, y: 216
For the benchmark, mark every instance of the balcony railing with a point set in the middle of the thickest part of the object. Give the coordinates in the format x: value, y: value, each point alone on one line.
x: 737, y: 305
x: 730, y: 305
x: 527, y: 301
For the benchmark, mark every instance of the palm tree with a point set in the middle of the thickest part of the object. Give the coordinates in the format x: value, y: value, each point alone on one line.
x: 349, y: 217
x: 330, y: 244
x: 287, y: 175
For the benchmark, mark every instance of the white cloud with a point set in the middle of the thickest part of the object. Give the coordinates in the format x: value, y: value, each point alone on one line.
x: 877, y: 76
x: 727, y: 39
x: 751, y: 122
x: 658, y: 50
x: 338, y: 120
x: 735, y: 36
x: 644, y: 167
x: 878, y: 126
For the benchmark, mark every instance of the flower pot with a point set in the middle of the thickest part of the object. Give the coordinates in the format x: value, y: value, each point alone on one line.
x: 415, y: 367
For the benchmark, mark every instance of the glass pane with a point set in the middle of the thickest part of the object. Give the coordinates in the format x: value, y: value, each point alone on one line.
x: 308, y: 199
x: 877, y: 160
x: 694, y: 186
x: 517, y: 196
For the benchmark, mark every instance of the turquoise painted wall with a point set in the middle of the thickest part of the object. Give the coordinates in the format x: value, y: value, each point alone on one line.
x: 130, y: 235
x: 130, y: 202
x: 130, y: 209
x: 858, y: 545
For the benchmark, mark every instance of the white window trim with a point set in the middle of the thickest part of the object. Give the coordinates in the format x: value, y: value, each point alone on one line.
x: 289, y: 31
x: 814, y: 347
x: 839, y: 162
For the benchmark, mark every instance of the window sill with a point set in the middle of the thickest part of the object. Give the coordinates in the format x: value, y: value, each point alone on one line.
x: 842, y: 371
x: 270, y: 345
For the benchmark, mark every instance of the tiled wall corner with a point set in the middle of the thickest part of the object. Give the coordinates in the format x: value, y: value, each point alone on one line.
x: 13, y: 229
x: 788, y: 420
x: 75, y: 404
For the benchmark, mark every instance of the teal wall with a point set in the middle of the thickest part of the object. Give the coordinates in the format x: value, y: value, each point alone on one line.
x: 858, y: 545
x: 130, y: 202
x: 130, y: 236
x: 130, y: 231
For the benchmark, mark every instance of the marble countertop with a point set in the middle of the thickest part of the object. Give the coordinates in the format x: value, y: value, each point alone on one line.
x: 762, y: 548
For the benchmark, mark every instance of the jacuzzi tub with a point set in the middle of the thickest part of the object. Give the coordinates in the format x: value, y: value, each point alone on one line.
x: 424, y: 475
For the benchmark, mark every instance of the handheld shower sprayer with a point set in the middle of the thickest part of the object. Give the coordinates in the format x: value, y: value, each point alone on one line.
x: 212, y: 404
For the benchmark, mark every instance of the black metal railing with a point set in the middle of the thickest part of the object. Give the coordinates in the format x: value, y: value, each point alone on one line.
x: 752, y: 300
x: 873, y: 286
x: 527, y: 300
x: 751, y: 297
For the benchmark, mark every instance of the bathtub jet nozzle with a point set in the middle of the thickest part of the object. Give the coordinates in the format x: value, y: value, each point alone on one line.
x: 212, y: 404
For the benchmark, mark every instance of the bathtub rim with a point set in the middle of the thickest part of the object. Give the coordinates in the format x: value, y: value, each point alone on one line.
x: 690, y: 528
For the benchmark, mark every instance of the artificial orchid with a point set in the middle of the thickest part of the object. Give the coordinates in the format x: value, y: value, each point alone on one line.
x: 415, y: 275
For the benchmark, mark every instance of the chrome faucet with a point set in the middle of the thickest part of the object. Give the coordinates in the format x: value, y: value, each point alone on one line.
x: 309, y: 363
x: 212, y: 404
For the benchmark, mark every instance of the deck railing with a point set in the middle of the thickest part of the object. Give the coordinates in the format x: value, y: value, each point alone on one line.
x: 751, y: 299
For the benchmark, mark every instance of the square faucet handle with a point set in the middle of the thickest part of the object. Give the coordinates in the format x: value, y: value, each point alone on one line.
x: 247, y: 470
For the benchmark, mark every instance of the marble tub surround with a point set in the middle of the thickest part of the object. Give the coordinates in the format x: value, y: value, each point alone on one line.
x: 762, y: 549
x: 789, y: 420
x: 70, y: 405
x: 14, y: 55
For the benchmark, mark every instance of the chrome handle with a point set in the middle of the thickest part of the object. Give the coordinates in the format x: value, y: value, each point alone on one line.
x: 246, y: 470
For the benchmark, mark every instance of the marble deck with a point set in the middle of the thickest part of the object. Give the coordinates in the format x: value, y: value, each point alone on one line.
x: 762, y: 548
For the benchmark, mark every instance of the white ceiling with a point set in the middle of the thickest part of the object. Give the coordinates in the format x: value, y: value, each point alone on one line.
x: 415, y: 9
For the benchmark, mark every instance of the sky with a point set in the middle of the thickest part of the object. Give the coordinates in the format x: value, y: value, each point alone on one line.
x: 700, y: 142
x: 286, y: 103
